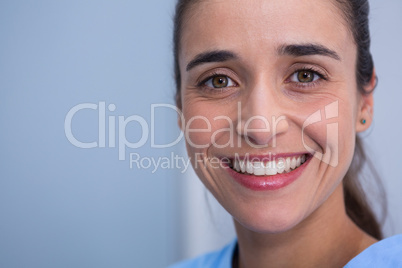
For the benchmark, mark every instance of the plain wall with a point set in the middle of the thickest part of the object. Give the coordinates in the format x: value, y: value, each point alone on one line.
x: 64, y: 206
x: 384, y: 139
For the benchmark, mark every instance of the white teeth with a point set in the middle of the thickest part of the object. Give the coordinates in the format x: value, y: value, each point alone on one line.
x: 242, y: 166
x: 236, y: 165
x: 258, y: 168
x: 293, y: 163
x: 270, y: 164
x: 287, y: 166
x: 281, y: 165
x: 249, y: 167
x: 270, y: 168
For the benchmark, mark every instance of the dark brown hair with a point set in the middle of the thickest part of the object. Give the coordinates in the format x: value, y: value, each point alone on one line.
x: 355, y: 13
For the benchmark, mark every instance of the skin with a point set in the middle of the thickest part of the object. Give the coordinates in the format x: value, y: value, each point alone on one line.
x: 303, y: 224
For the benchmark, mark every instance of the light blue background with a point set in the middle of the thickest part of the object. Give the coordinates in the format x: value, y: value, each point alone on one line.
x: 62, y: 206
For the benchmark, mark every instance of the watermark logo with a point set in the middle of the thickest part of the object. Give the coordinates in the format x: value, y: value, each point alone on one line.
x: 147, y: 131
x: 330, y: 155
x: 108, y: 138
x: 156, y: 163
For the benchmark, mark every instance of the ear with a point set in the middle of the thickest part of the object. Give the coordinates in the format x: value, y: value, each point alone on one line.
x: 366, y: 103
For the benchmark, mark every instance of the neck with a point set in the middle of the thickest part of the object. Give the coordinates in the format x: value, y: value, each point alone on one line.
x: 327, y: 238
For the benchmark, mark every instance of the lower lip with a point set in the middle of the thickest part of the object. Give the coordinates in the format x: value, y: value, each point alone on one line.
x: 267, y: 183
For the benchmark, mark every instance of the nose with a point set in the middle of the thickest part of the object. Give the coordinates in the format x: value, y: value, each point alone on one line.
x: 260, y: 117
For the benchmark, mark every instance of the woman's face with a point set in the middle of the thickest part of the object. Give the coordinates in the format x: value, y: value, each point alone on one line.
x: 270, y: 106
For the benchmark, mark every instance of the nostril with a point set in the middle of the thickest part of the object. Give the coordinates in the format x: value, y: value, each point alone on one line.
x: 258, y: 131
x: 253, y: 141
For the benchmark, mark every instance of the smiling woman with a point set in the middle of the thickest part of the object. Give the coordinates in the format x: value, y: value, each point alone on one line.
x: 284, y: 93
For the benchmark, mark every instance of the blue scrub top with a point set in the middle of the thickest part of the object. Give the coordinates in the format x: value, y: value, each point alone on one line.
x: 386, y: 253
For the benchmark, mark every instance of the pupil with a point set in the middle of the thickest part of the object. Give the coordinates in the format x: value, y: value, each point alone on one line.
x: 305, y: 77
x: 220, y: 82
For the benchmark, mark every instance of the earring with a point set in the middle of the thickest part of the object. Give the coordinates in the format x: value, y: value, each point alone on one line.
x: 363, y: 121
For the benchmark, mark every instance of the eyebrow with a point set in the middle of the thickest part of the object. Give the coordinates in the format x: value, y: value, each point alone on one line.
x: 307, y: 50
x: 211, y: 56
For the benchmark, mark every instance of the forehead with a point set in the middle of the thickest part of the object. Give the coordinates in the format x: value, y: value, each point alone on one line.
x: 262, y: 25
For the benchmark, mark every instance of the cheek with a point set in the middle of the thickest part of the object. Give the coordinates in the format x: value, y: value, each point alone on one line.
x: 197, y: 132
x: 347, y: 134
x: 207, y: 126
x: 328, y: 132
x: 198, y: 126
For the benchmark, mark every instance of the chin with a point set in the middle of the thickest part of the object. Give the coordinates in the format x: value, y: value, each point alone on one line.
x: 270, y: 221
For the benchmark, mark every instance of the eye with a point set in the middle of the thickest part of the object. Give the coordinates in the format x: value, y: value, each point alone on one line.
x: 219, y: 81
x: 304, y: 76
